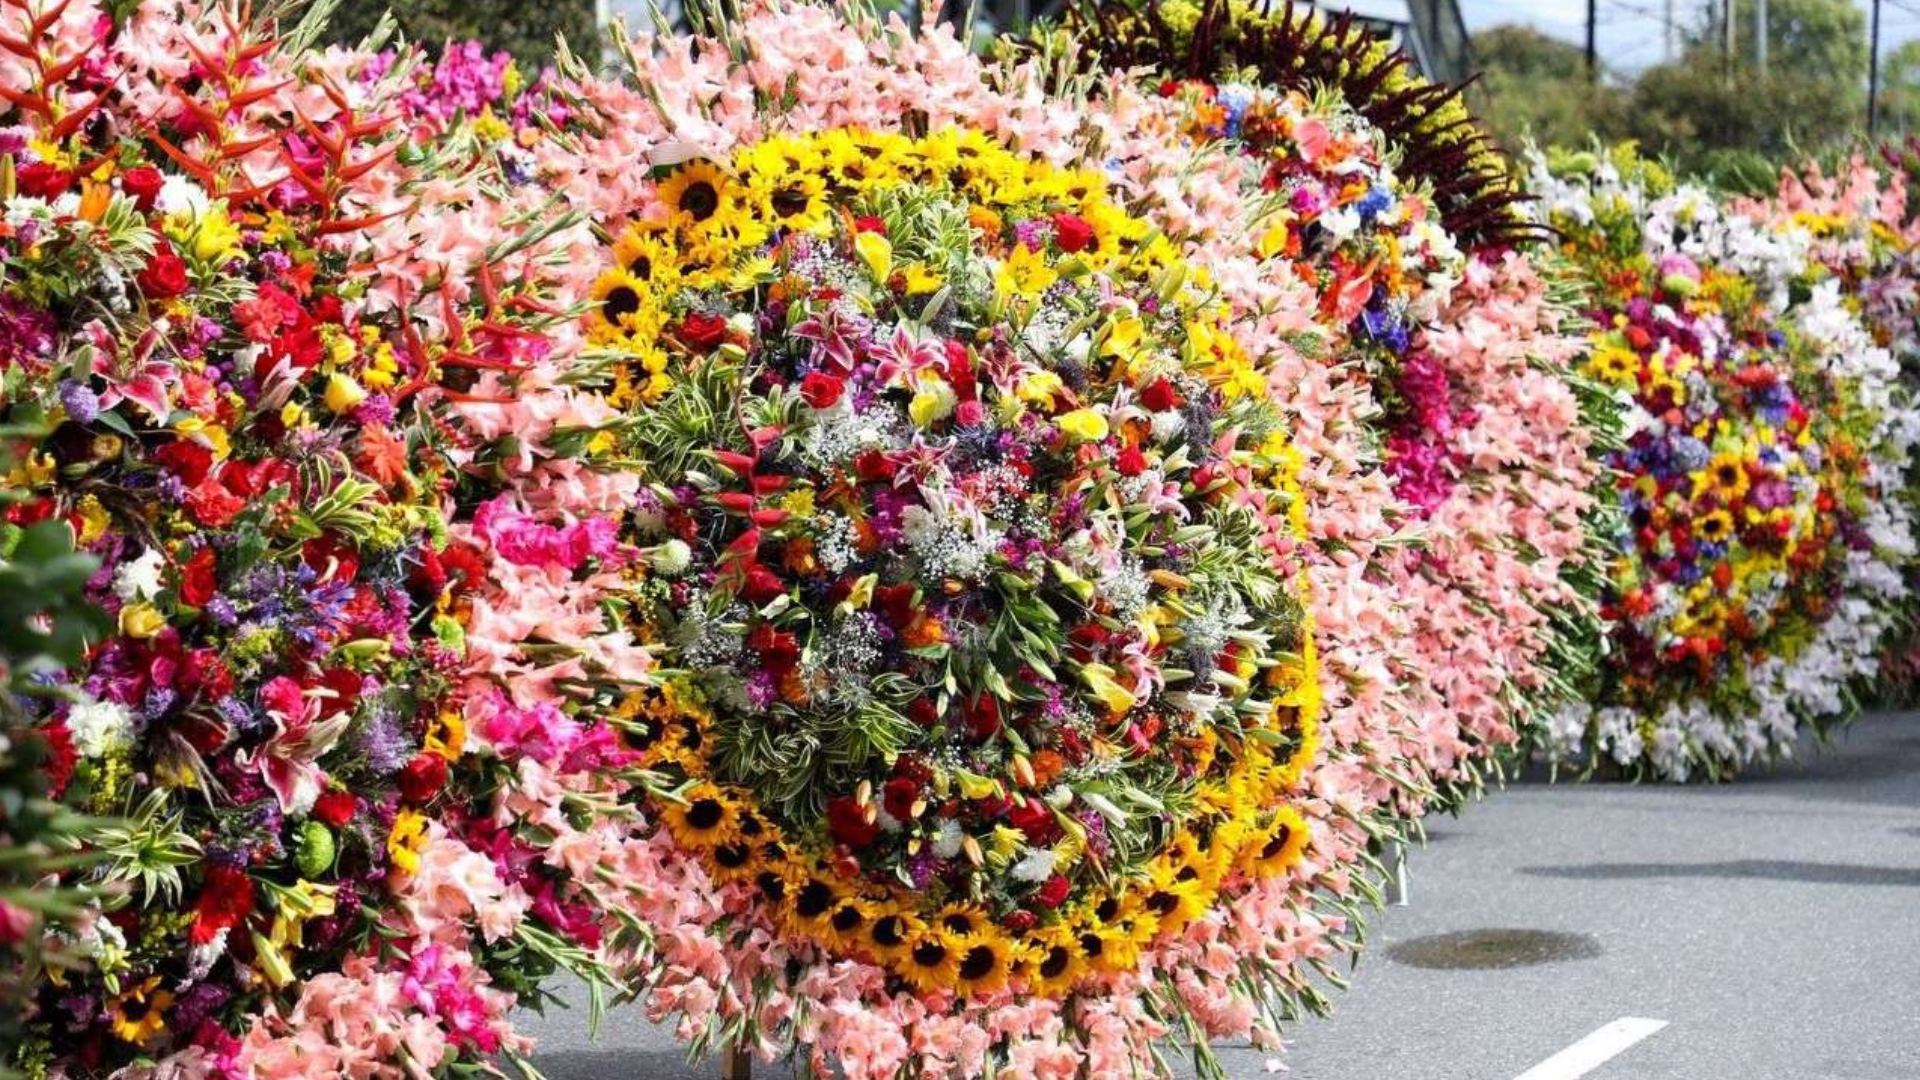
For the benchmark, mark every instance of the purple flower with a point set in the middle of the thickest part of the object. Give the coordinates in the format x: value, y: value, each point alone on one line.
x: 82, y: 404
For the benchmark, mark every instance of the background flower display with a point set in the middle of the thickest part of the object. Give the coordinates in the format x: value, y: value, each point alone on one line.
x: 262, y: 362
x: 1761, y: 560
x: 1374, y: 187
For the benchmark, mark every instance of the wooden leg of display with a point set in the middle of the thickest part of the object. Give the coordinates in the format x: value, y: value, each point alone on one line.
x: 736, y: 1064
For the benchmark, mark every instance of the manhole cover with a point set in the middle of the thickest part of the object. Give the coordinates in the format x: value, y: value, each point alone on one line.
x: 1488, y: 949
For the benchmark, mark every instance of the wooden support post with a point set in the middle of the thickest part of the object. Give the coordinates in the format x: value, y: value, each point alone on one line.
x: 736, y: 1064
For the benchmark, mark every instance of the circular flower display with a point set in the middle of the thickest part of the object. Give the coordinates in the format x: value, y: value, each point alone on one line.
x: 973, y: 549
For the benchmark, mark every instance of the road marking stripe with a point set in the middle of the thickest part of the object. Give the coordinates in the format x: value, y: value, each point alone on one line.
x: 1593, y: 1051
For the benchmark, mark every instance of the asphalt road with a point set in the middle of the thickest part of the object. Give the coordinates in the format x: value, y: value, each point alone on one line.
x: 1772, y: 924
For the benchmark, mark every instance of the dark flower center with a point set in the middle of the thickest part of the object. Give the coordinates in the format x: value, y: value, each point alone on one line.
x: 700, y: 200
x: 705, y: 813
x: 619, y: 304
x: 978, y: 963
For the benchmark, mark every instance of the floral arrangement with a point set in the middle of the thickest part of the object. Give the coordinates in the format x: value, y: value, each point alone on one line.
x: 1762, y: 555
x: 977, y: 540
x: 258, y: 353
x: 1861, y: 236
x: 1454, y: 336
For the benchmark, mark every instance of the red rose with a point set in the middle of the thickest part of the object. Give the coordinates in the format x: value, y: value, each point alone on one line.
x: 1054, y: 892
x: 1131, y: 462
x: 1072, y: 232
x: 336, y: 808
x: 142, y: 185
x: 703, y: 332
x: 42, y: 181
x: 820, y: 389
x: 345, y: 686
x: 1020, y: 921
x: 165, y: 275
x: 422, y: 778
x: 1033, y: 818
x: 847, y: 820
x: 1160, y: 396
x: 196, y: 579
x: 983, y: 717
x: 188, y: 460
x: 923, y: 712
x: 873, y: 467
x: 898, y: 797
x: 869, y: 223
x: 203, y: 670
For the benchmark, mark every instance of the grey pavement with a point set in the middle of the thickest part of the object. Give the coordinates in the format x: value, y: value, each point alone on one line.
x: 1773, y: 923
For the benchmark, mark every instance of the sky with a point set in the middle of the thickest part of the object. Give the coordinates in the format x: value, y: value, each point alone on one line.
x: 1630, y: 31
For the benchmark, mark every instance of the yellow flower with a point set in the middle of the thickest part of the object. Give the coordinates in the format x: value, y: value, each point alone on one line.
x: 699, y: 195
x: 139, y: 1013
x: 447, y: 736
x: 1024, y: 273
x: 1055, y: 961
x: 406, y: 841
x: 94, y: 519
x: 922, y: 279
x: 141, y: 620
x: 1039, y: 387
x: 935, y: 402
x: 344, y: 393
x: 1100, y: 681
x: 1083, y: 425
x: 876, y: 252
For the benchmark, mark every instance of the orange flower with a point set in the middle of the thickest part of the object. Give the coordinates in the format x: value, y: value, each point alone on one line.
x: 1046, y: 764
x: 923, y: 631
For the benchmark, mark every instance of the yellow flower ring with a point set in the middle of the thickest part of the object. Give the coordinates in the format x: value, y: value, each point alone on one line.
x: 986, y: 657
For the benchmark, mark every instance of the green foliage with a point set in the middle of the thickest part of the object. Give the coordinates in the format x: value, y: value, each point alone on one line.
x: 1535, y: 88
x: 527, y: 30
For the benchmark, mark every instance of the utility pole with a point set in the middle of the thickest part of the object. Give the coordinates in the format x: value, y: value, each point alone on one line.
x: 1726, y: 40
x: 1873, y: 74
x: 1593, y: 44
x: 1760, y: 35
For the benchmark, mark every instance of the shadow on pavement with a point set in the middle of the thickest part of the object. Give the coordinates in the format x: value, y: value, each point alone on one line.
x: 635, y: 1064
x: 1763, y: 869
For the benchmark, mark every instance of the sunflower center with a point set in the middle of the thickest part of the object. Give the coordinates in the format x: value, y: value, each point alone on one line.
x: 959, y: 923
x: 814, y: 899
x: 788, y: 202
x: 700, y: 200
x: 929, y: 954
x: 705, y: 813
x: 772, y: 886
x: 620, y: 303
x: 1278, y: 842
x: 641, y: 267
x: 886, y: 931
x: 847, y: 918
x: 732, y: 856
x: 978, y: 963
x: 1056, y: 962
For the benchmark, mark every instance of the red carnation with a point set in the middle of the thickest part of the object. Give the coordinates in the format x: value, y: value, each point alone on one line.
x: 703, y: 332
x: 923, y: 712
x: 820, y: 389
x: 212, y: 505
x: 61, y: 758
x: 165, y: 275
x: 196, y: 579
x: 1072, y: 232
x: 1131, y: 462
x: 226, y: 899
x: 188, y: 460
x: 1054, y: 892
x: 873, y: 467
x: 142, y: 185
x: 898, y: 797
x: 869, y: 223
x: 1034, y: 819
x: 1160, y: 396
x: 422, y: 778
x: 847, y: 820
x: 336, y: 808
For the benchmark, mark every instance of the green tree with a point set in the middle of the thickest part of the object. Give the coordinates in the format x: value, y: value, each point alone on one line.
x: 527, y: 30
x: 1900, y: 89
x: 1533, y: 86
x: 1723, y: 116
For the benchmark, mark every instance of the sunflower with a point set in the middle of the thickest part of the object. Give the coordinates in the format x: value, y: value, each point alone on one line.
x: 709, y: 817
x: 932, y: 960
x: 811, y: 903
x: 620, y: 300
x: 1726, y: 476
x: 701, y: 197
x: 139, y: 1013
x: 1616, y: 365
x: 848, y: 922
x: 1054, y: 961
x: 1278, y: 846
x: 987, y: 960
x: 961, y: 919
x: 1715, y: 527
x: 795, y: 201
x: 647, y: 259
x: 890, y: 933
x: 1172, y: 899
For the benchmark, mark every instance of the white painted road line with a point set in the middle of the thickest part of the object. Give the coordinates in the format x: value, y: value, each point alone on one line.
x: 1593, y: 1051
